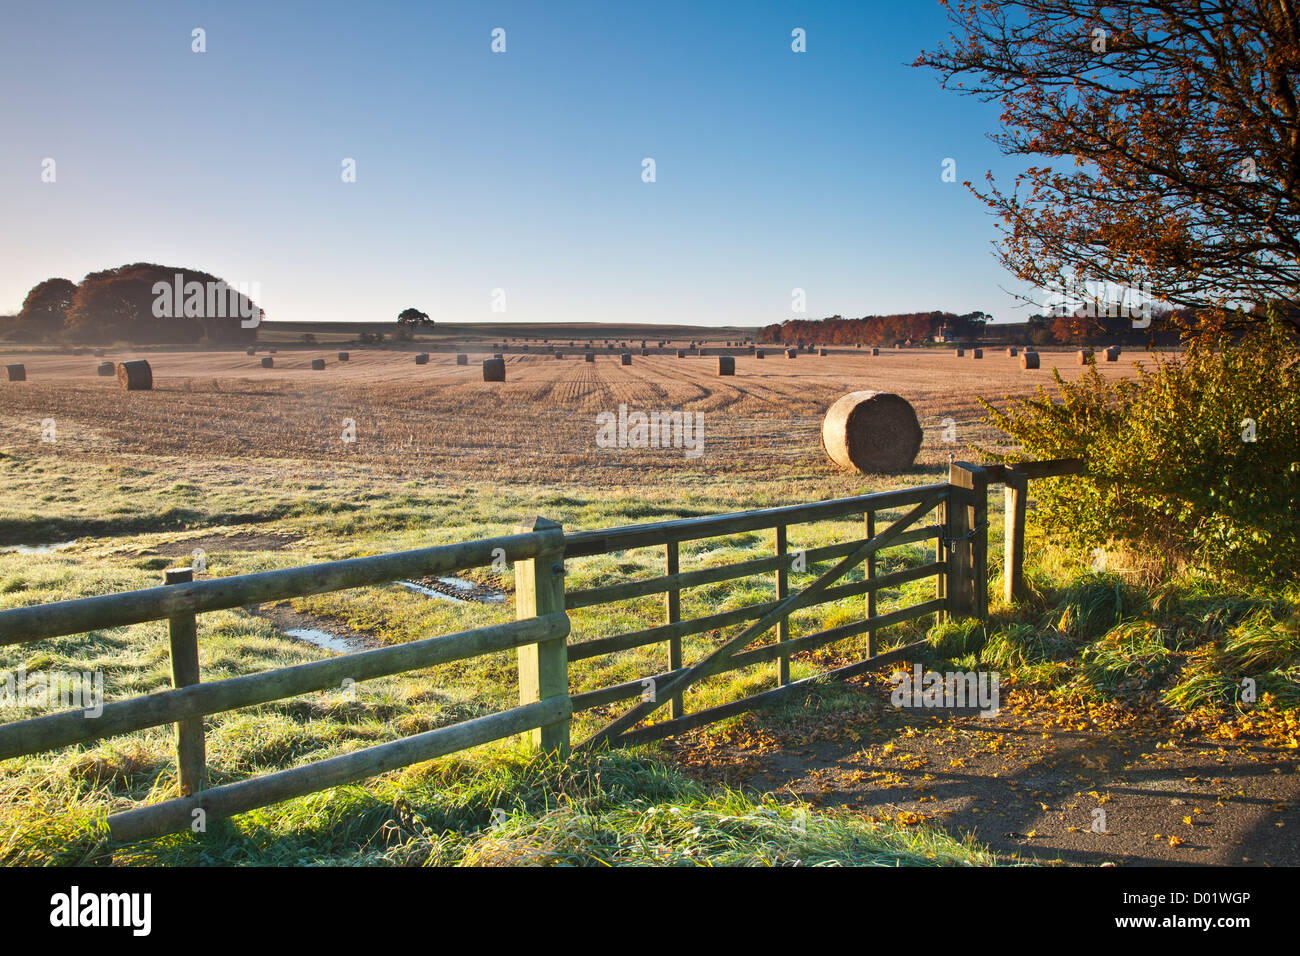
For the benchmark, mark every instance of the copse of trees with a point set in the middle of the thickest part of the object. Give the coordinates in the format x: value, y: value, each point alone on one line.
x: 144, y: 303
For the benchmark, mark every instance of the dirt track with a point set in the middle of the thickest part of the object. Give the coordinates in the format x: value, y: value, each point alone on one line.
x: 1028, y: 782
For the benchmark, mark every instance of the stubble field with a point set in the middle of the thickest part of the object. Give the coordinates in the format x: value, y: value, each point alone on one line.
x: 443, y: 421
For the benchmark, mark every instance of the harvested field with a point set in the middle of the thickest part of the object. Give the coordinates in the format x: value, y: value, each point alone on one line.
x: 441, y: 418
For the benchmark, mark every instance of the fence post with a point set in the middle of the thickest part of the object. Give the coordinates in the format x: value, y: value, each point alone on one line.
x: 871, y: 576
x: 544, y: 665
x: 1015, y: 490
x: 782, y: 592
x: 968, y: 534
x: 673, y: 611
x: 191, y: 760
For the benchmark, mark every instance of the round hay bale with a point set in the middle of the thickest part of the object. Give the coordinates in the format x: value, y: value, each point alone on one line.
x: 1012, y: 352
x: 318, y: 365
x: 1029, y: 359
x: 462, y: 359
x: 958, y: 352
x: 268, y: 362
x: 977, y: 353
x: 589, y: 356
x: 726, y: 365
x: 421, y: 358
x: 1086, y: 357
x: 344, y: 356
x: 135, y: 376
x: 625, y: 358
x: 873, y: 432
x: 15, y: 373
x: 791, y: 353
x: 1113, y: 353
x: 494, y: 370
x: 106, y: 370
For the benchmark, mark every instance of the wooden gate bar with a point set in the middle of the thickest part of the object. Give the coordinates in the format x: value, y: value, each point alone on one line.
x: 871, y: 576
x: 714, y: 662
x: 183, y: 634
x: 782, y: 592
x: 673, y: 610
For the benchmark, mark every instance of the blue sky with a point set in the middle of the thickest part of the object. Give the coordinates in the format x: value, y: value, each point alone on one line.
x: 519, y: 171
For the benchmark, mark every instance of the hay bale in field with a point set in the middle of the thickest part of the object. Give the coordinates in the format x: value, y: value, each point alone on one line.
x: 625, y: 358
x: 344, y: 356
x: 1012, y: 352
x: 1113, y: 353
x: 106, y: 370
x: 959, y: 352
x: 15, y: 373
x: 589, y: 356
x: 135, y: 376
x: 1028, y: 359
x: 494, y: 370
x: 726, y: 365
x: 268, y: 362
x: 318, y: 365
x: 791, y: 353
x: 977, y: 353
x: 421, y: 358
x: 462, y: 359
x: 1086, y: 357
x: 872, y: 431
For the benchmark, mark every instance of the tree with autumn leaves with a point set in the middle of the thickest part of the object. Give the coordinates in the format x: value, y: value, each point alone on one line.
x: 1165, y: 146
x: 1165, y: 139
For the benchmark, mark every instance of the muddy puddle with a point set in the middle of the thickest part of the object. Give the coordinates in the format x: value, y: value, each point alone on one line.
x: 456, y: 590
x: 37, y: 548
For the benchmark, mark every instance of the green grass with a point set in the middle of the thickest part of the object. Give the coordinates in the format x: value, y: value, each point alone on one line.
x: 1078, y: 632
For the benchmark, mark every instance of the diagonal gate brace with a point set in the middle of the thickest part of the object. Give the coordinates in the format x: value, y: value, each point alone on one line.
x: 717, y: 660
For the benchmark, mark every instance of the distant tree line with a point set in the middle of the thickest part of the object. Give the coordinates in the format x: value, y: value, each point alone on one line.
x: 878, y: 329
x: 142, y: 303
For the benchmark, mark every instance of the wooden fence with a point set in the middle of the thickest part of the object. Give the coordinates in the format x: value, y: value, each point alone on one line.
x: 953, y: 514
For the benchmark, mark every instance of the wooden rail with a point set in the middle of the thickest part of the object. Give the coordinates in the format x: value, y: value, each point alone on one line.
x: 540, y: 635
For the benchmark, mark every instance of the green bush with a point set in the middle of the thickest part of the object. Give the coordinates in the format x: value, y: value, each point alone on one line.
x: 1170, y: 470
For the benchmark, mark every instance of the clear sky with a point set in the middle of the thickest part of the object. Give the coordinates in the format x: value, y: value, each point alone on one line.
x: 519, y: 171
